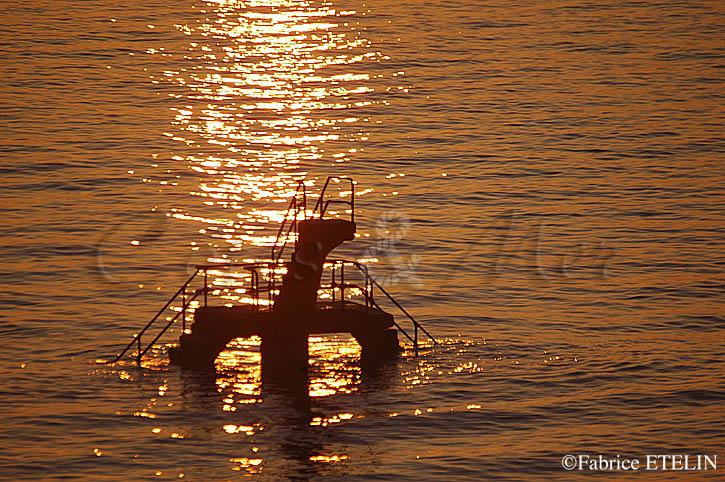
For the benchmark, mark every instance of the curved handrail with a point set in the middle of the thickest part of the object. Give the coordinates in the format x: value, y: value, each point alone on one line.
x: 321, y: 204
x: 373, y: 282
x: 294, y: 209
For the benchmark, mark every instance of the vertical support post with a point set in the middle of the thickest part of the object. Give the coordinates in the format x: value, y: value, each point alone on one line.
x: 372, y: 293
x: 352, y: 200
x: 183, y: 310
x: 368, y: 290
x: 367, y: 293
x: 206, y: 285
x: 255, y: 290
x: 416, y: 338
x: 333, y: 283
x: 294, y: 228
x: 270, y: 285
x: 342, y: 284
x: 138, y: 353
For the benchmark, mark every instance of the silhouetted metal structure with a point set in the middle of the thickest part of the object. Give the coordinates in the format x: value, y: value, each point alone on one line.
x: 284, y: 308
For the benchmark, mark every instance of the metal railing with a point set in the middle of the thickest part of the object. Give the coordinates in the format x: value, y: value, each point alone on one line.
x: 265, y: 283
x: 185, y: 304
x: 298, y: 205
x: 369, y: 292
x: 187, y: 296
x: 321, y: 205
x: 295, y: 208
x: 275, y: 267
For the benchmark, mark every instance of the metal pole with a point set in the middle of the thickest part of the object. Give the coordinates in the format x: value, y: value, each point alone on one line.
x: 342, y: 284
x: 183, y: 311
x: 368, y: 291
x: 271, y: 285
x: 206, y: 286
x: 416, y: 339
x: 367, y: 294
x: 352, y: 200
x: 255, y: 289
x: 293, y: 226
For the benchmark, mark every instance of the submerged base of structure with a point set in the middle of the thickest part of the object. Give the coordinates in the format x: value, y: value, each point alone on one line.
x: 284, y: 346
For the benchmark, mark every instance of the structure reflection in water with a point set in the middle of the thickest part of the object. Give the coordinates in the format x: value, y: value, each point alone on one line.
x: 236, y: 388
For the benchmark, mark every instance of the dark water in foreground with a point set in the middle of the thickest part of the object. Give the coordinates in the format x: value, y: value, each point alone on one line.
x: 540, y: 183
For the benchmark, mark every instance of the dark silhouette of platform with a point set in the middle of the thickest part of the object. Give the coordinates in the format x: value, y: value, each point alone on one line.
x: 294, y: 315
x: 215, y: 326
x: 291, y: 312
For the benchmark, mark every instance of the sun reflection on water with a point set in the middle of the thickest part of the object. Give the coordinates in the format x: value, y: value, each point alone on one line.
x: 333, y: 365
x: 334, y: 369
x: 262, y: 92
x: 249, y: 465
x: 266, y: 88
x: 240, y: 373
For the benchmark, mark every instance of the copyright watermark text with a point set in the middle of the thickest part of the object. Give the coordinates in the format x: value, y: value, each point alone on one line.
x: 618, y: 463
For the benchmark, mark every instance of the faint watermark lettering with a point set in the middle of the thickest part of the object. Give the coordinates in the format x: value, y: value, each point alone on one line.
x: 391, y: 227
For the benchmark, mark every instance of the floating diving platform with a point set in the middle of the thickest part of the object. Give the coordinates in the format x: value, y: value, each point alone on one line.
x: 283, y: 305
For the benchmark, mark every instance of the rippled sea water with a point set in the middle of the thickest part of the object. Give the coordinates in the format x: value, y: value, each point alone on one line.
x: 540, y: 184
